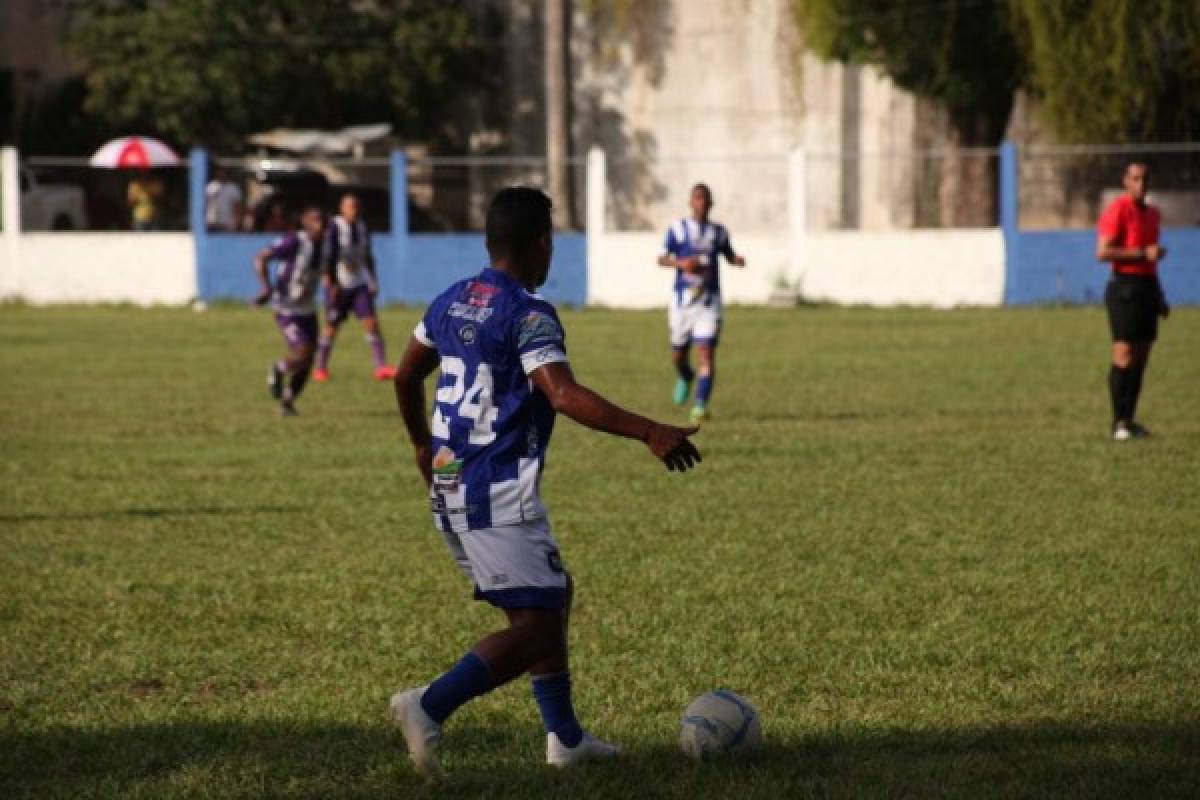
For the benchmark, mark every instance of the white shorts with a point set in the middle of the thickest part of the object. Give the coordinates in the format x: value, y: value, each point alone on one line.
x: 696, y: 321
x: 512, y: 566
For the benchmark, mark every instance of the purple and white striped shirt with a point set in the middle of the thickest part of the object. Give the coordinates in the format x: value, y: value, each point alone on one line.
x: 294, y: 289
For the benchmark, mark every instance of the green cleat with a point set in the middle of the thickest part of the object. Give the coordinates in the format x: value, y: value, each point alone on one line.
x: 699, y: 414
x: 682, y: 389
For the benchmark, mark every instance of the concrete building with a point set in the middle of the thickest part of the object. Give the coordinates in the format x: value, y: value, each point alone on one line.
x: 721, y: 91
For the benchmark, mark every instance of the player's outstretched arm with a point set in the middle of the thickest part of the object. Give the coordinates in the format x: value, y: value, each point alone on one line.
x: 418, y: 363
x: 669, y: 443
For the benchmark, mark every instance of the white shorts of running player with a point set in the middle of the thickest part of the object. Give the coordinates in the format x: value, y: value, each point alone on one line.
x: 694, y: 319
x: 512, y: 566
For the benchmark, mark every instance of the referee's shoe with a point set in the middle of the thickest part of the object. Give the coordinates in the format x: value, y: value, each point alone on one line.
x: 1124, y: 431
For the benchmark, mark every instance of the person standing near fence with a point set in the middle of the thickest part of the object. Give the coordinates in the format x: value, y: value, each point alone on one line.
x: 143, y: 195
x: 692, y: 249
x: 222, y: 203
x: 1128, y: 239
x: 350, y: 284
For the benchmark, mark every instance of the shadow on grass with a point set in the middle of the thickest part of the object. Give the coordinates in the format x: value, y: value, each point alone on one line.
x: 147, y: 513
x: 283, y: 758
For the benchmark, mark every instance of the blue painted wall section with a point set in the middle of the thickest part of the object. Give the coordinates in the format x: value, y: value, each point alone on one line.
x: 413, y: 268
x: 1061, y: 266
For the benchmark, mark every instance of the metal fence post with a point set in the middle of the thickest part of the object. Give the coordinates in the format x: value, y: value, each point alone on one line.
x: 197, y: 177
x: 597, y: 191
x: 1010, y: 220
x: 398, y: 178
x: 1009, y: 189
x: 10, y: 232
x: 797, y: 199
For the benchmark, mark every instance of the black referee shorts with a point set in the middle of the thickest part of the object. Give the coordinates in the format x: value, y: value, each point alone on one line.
x: 1133, y: 304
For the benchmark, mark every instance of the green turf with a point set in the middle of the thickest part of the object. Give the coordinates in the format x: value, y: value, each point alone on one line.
x: 910, y: 543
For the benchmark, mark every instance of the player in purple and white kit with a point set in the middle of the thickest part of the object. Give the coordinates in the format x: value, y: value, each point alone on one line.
x: 292, y: 294
x: 504, y: 375
x: 350, y: 284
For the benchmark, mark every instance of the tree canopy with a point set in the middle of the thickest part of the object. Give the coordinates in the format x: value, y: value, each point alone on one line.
x: 1114, y: 70
x: 961, y: 53
x: 1101, y: 70
x: 215, y: 70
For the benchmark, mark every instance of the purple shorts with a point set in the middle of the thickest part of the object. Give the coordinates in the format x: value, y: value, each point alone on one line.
x: 298, y: 330
x: 358, y: 299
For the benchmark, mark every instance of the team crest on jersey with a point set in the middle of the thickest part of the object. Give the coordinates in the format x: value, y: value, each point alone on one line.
x: 447, y: 471
x: 480, y: 294
x: 467, y: 334
x: 538, y: 327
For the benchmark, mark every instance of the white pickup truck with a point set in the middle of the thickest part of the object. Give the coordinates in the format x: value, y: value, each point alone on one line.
x: 50, y: 207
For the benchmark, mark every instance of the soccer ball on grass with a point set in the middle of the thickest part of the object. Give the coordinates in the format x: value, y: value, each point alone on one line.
x: 720, y: 724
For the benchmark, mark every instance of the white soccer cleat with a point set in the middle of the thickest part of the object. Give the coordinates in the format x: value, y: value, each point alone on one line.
x: 559, y: 755
x: 421, y: 734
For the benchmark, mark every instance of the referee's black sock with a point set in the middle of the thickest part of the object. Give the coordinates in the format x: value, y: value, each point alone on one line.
x: 1136, y: 371
x: 1119, y: 381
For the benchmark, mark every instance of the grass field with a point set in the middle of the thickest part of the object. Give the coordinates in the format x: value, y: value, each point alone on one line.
x: 910, y: 543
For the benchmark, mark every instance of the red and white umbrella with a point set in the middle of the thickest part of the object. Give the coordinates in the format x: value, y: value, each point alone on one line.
x: 134, y: 152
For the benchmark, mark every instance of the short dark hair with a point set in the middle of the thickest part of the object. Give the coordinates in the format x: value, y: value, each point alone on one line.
x: 703, y: 187
x: 516, y: 217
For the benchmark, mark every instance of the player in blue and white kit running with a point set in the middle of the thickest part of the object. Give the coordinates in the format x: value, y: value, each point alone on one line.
x: 693, y: 247
x: 292, y: 294
x: 504, y: 375
x: 350, y: 284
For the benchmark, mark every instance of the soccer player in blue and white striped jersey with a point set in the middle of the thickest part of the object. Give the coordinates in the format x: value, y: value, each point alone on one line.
x: 693, y: 248
x: 504, y: 376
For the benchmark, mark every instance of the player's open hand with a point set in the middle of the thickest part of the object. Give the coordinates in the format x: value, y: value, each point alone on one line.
x: 672, y: 446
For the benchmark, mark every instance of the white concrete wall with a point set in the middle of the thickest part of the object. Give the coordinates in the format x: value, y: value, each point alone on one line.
x: 138, y: 268
x: 623, y: 273
x: 936, y: 268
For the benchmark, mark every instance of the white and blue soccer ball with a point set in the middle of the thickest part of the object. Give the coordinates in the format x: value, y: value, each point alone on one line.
x: 720, y: 724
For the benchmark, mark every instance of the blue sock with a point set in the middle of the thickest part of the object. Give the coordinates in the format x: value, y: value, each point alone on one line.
x: 703, y: 389
x: 466, y: 680
x: 553, y: 695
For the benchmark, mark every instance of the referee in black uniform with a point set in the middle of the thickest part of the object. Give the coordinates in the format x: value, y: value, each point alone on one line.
x: 1128, y: 238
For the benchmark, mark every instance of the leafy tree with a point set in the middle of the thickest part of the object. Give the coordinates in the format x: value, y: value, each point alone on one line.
x: 959, y: 53
x: 212, y: 71
x: 1114, y: 70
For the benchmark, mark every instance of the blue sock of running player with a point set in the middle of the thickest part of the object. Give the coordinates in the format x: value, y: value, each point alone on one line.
x: 704, y: 389
x: 376, y: 342
x: 553, y: 696
x: 466, y: 680
x: 324, y: 345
